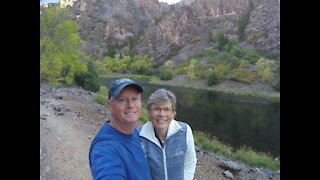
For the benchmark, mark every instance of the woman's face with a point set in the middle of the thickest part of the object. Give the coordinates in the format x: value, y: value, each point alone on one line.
x: 161, y: 115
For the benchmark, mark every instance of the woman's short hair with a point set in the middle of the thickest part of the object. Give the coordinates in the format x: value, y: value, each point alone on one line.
x: 162, y: 96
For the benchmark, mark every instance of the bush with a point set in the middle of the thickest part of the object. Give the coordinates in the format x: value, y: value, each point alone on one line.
x: 213, y: 78
x: 201, y: 71
x: 242, y: 75
x: 222, y: 40
x: 142, y: 65
x: 116, y: 64
x: 194, y: 39
x: 276, y: 86
x: 174, y: 48
x: 100, y: 100
x: 244, y: 21
x: 268, y: 69
x: 245, y: 53
x: 166, y: 74
x: 267, y: 54
x: 90, y: 80
x: 276, y: 78
x: 103, y: 90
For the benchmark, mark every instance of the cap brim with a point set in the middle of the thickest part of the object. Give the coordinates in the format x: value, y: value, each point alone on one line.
x: 118, y: 91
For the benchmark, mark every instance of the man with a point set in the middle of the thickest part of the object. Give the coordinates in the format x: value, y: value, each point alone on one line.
x: 116, y: 152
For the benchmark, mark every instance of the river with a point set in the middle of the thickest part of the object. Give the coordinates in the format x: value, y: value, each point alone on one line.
x: 232, y: 119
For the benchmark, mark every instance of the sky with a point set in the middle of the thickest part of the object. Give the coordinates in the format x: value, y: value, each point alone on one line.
x: 167, y: 1
x: 170, y: 1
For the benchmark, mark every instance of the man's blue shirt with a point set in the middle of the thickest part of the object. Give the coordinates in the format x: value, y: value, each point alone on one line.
x: 114, y: 155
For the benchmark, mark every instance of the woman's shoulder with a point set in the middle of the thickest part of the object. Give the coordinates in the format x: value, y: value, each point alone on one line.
x: 145, y: 126
x: 182, y: 124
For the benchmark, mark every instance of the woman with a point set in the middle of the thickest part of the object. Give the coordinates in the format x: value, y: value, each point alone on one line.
x: 167, y: 143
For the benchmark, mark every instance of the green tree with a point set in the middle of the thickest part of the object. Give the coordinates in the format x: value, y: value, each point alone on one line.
x: 166, y: 73
x: 111, y: 50
x: 222, y: 40
x: 192, y: 69
x: 276, y: 79
x: 213, y: 78
x: 116, y: 64
x: 101, y: 69
x: 142, y: 65
x: 266, y: 69
x: 60, y: 54
x: 89, y: 80
x: 174, y: 48
x: 168, y: 64
x: 244, y: 21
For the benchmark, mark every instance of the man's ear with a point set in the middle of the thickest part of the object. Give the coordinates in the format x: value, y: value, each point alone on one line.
x: 110, y: 105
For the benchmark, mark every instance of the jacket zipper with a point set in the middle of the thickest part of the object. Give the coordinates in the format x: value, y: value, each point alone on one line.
x: 164, y: 162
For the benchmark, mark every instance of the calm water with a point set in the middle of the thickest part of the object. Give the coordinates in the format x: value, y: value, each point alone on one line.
x: 234, y: 120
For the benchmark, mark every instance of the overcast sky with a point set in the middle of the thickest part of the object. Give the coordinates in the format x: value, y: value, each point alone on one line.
x: 170, y: 1
x: 167, y: 1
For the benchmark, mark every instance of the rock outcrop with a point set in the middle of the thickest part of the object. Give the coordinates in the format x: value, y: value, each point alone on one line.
x: 153, y: 28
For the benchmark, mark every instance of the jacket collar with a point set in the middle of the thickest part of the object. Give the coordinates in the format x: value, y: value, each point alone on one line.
x: 147, y: 131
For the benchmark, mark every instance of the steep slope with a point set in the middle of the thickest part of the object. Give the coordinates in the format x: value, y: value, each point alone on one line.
x: 139, y: 27
x: 114, y: 22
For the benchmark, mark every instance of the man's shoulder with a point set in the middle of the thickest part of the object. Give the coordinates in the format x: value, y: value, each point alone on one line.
x: 105, y: 138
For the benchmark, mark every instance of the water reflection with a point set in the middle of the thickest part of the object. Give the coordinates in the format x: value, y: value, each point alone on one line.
x: 234, y: 120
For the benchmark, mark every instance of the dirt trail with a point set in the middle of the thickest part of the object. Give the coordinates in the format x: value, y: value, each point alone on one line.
x: 65, y: 136
x: 69, y: 119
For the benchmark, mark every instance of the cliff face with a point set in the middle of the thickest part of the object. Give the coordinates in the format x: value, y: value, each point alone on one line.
x: 265, y: 25
x: 158, y: 25
x: 114, y: 21
x: 186, y: 22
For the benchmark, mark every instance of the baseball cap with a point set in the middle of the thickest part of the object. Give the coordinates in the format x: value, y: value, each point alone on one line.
x: 117, y: 86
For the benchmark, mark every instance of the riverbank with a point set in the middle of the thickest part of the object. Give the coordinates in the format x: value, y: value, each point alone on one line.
x: 255, y: 89
x: 70, y: 118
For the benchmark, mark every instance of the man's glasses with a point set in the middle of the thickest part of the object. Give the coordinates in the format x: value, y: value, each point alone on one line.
x: 127, y: 100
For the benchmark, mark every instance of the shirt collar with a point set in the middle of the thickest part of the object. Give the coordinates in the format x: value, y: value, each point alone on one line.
x: 147, y: 131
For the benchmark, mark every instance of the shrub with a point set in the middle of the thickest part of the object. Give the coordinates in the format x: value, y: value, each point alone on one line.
x: 90, y: 80
x: 100, y: 100
x: 242, y: 75
x: 174, y: 48
x: 142, y: 65
x: 266, y: 69
x: 116, y: 64
x: 191, y: 69
x: 245, y: 53
x: 194, y: 39
x: 103, y: 90
x: 201, y: 71
x: 252, y: 38
x: 276, y: 78
x: 222, y: 40
x: 166, y: 74
x: 213, y: 78
x: 276, y: 86
x: 267, y: 54
x: 244, y: 21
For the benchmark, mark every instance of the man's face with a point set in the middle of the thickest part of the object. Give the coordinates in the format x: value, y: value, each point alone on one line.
x: 126, y: 107
x: 161, y: 115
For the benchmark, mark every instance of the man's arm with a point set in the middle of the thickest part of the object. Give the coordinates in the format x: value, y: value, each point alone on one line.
x: 106, y: 163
